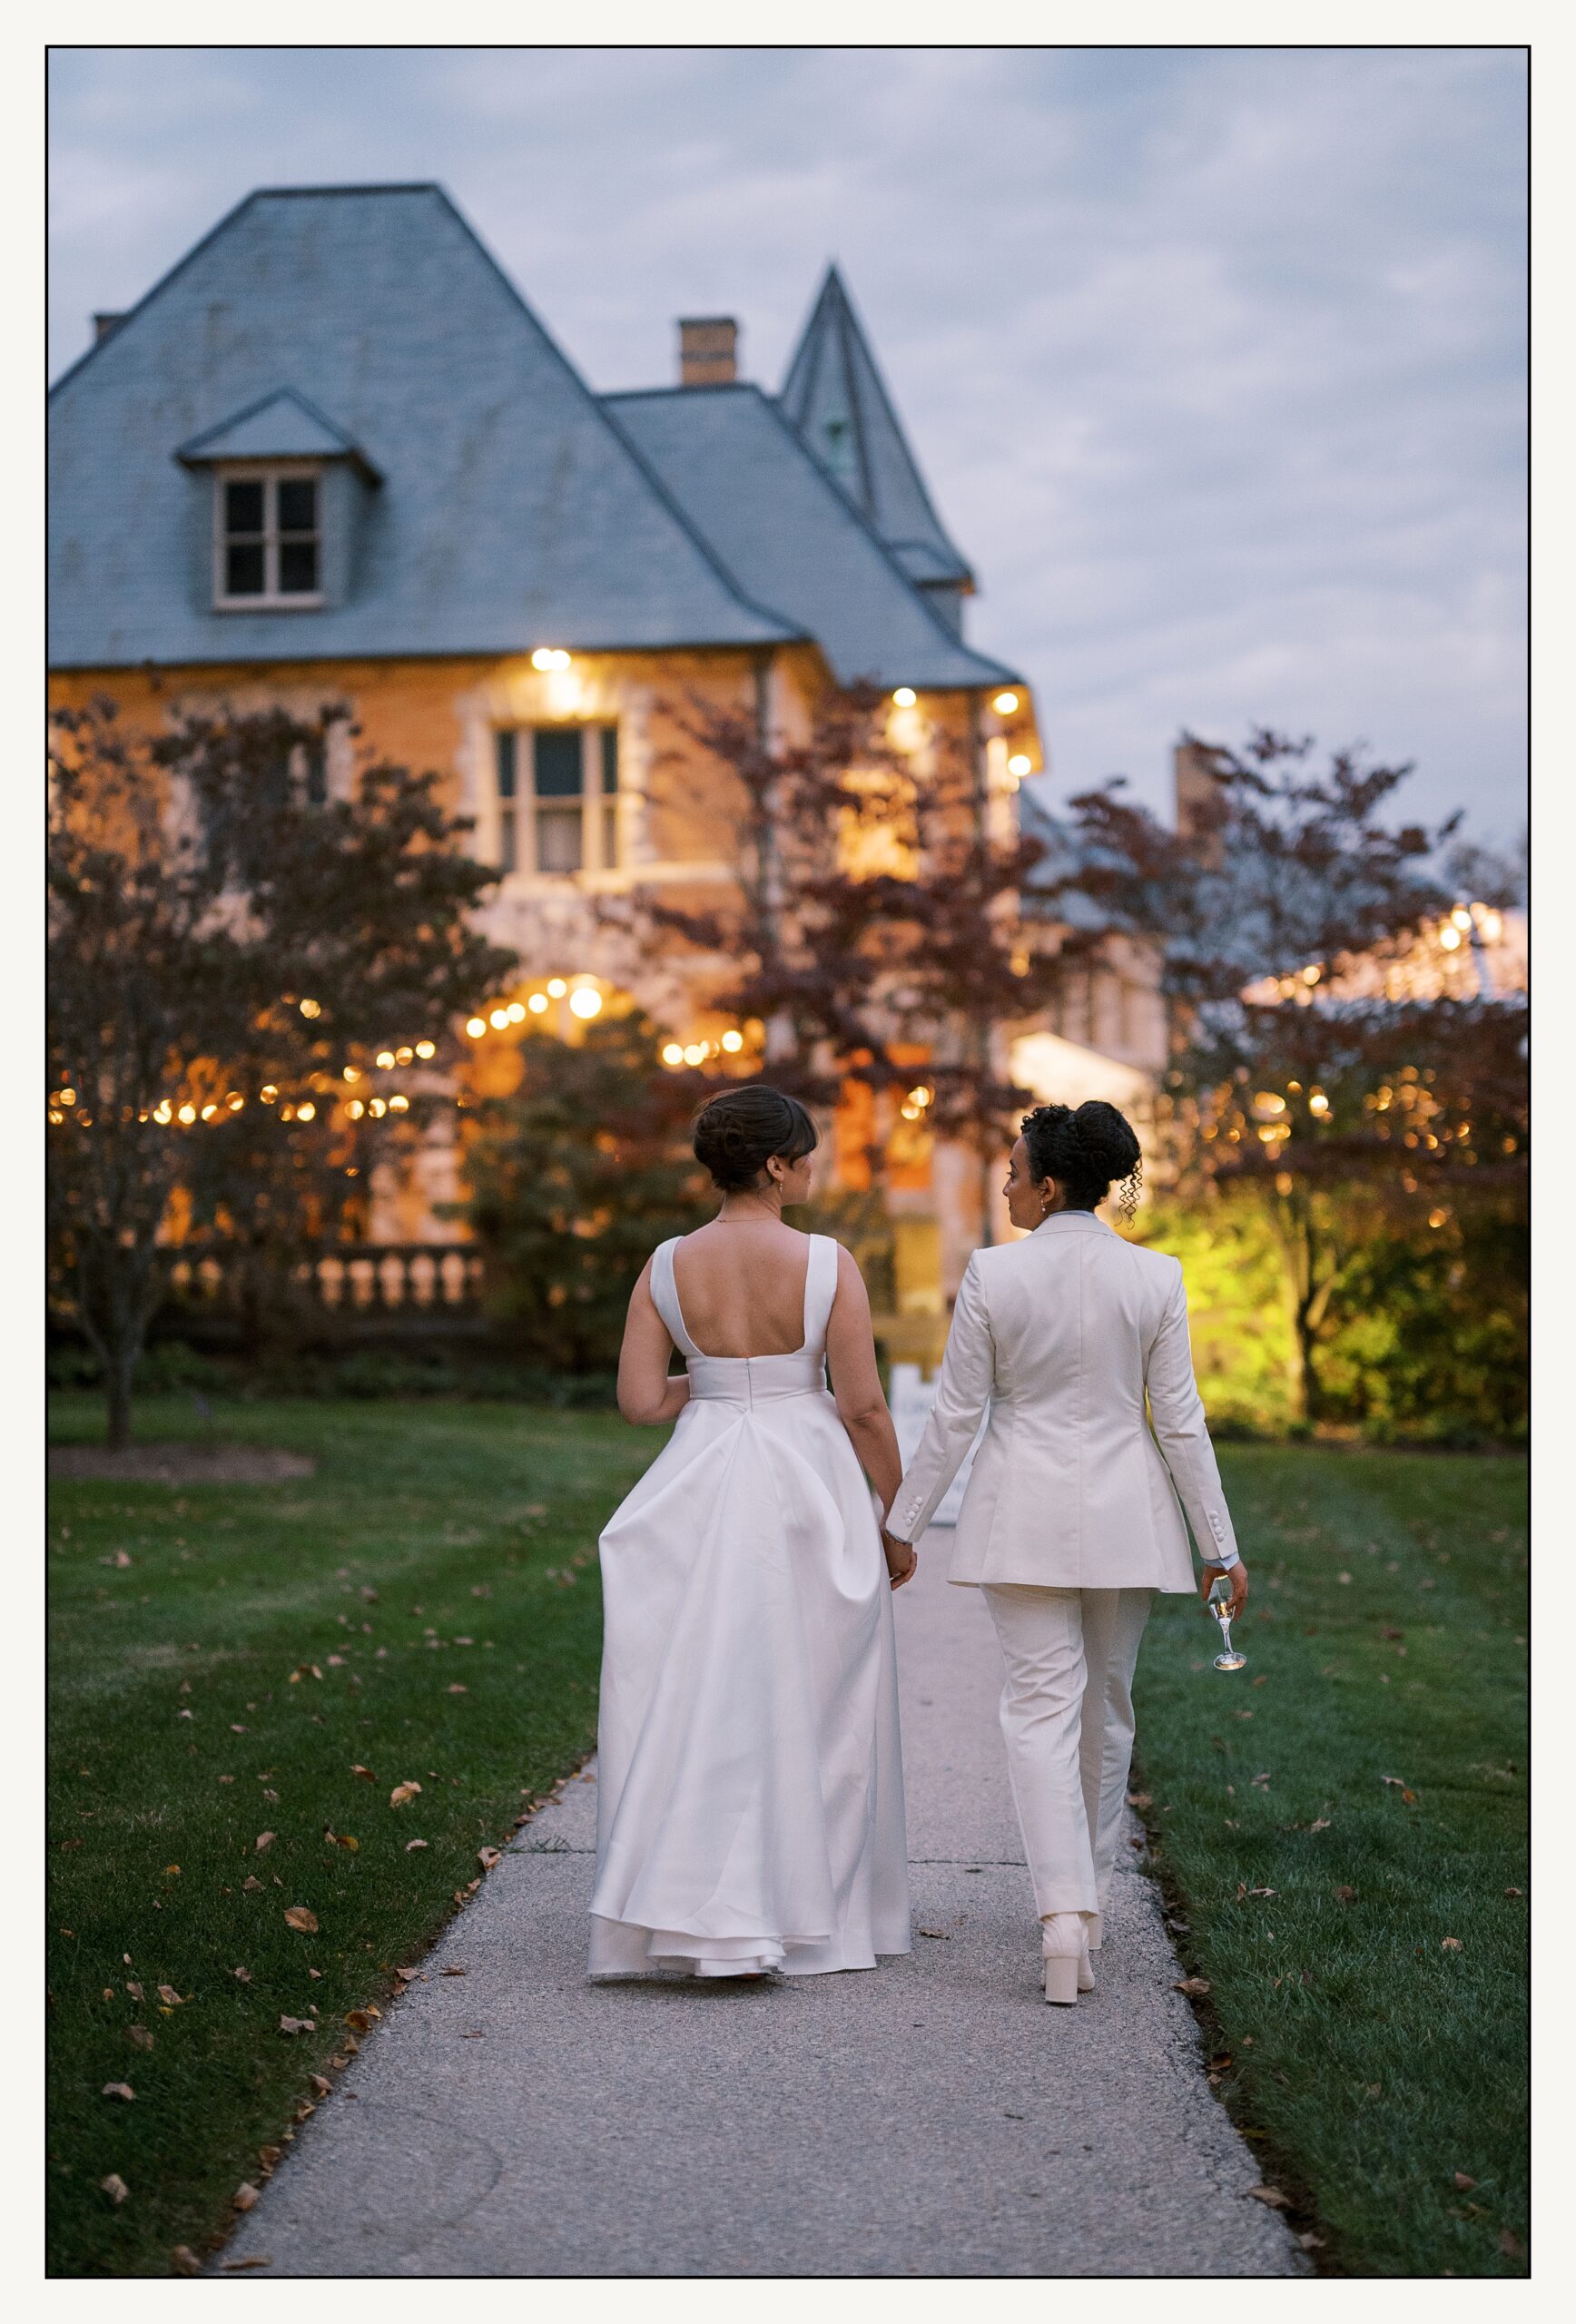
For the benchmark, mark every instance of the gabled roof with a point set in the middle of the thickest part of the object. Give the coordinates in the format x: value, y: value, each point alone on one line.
x: 794, y: 539
x: 514, y: 511
x: 280, y: 426
x: 836, y: 399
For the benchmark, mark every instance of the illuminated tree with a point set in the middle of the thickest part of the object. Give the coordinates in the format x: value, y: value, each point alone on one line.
x: 1337, y: 1055
x: 872, y: 919
x: 225, y: 941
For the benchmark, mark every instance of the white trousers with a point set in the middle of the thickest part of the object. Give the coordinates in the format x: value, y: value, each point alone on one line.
x: 1066, y: 1714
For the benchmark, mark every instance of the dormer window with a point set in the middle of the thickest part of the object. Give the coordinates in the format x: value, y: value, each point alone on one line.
x: 268, y: 545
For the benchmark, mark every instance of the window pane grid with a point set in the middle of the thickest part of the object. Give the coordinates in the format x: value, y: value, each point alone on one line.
x: 555, y: 792
x: 271, y: 537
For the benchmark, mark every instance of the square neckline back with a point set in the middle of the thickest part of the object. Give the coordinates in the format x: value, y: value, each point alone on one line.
x: 687, y: 1344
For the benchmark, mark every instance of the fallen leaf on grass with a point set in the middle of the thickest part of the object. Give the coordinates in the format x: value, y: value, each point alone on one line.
x: 1345, y: 1896
x: 405, y: 1976
x: 135, y: 1990
x: 169, y: 1997
x: 488, y: 1858
x: 269, y: 2155
x: 1195, y: 1987
x: 297, y: 2026
x: 321, y: 2084
x: 118, y: 2090
x: 186, y: 2260
x: 1263, y: 1892
x: 1512, y: 1892
x: 365, y: 1773
x: 302, y: 1917
x: 340, y: 1840
x: 1463, y: 2182
x: 1320, y: 1824
x: 401, y: 1793
x: 251, y: 1885
x: 115, y: 2187
x: 459, y: 1688
x: 302, y: 1671
x: 314, y: 1973
x: 242, y: 1976
x: 263, y: 1841
x: 1272, y: 2196
x: 1510, y: 2243
x: 361, y: 2019
x: 244, y: 2196
x: 1449, y: 1944
x: 138, y: 2037
x: 411, y: 1844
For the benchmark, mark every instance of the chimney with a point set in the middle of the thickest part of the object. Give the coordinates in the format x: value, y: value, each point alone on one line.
x: 1196, y: 789
x: 104, y: 324
x: 708, y: 348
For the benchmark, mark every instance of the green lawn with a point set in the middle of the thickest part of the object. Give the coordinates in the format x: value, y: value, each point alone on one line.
x: 1366, y: 1776
x: 1370, y: 2061
x: 434, y: 1588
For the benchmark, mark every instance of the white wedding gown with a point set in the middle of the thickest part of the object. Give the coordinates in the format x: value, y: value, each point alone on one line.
x: 750, y: 1806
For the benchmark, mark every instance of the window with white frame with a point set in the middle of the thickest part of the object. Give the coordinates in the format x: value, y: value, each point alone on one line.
x: 557, y: 798
x: 268, y: 545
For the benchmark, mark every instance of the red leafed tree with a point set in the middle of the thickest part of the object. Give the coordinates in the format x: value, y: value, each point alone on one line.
x: 1326, y: 1058
x: 873, y: 915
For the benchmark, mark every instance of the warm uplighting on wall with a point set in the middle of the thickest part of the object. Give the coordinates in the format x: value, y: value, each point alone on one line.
x: 1005, y: 705
x: 550, y: 657
x: 904, y: 696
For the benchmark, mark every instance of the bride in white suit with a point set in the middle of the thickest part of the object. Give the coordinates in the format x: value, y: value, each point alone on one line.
x: 1072, y: 1521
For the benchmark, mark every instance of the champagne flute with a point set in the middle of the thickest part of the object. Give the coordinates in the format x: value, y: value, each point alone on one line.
x: 1231, y: 1657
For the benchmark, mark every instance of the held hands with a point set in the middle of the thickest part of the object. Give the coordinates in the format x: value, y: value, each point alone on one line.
x: 1237, y: 1575
x: 902, y: 1559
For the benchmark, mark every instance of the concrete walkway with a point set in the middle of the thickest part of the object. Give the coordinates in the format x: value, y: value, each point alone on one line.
x: 931, y: 2117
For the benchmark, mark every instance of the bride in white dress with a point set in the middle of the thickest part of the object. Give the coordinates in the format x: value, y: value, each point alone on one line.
x: 750, y: 1804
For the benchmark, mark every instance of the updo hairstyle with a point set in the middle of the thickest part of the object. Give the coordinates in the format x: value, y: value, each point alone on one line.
x: 1086, y: 1152
x: 738, y: 1132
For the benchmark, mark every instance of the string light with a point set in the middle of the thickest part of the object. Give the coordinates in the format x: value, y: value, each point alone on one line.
x: 587, y: 1002
x: 311, y: 1008
x: 556, y: 986
x: 426, y: 1049
x: 515, y: 1012
x: 497, y: 1019
x: 385, y: 1058
x: 476, y: 1026
x: 733, y: 1042
x: 404, y: 1056
x: 673, y: 1052
x: 537, y: 1004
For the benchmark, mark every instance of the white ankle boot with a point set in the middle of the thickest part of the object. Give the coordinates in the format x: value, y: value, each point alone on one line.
x: 1063, y: 1956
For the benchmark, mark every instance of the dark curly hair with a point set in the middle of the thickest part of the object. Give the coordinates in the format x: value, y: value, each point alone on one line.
x: 738, y: 1132
x: 1086, y: 1152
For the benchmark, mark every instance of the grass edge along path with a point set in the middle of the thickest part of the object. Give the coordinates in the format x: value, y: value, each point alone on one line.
x: 1339, y: 1832
x: 242, y: 1680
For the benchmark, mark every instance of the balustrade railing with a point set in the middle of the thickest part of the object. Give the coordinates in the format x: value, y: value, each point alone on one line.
x: 350, y: 1280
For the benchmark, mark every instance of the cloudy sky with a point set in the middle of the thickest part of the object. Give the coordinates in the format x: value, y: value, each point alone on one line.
x: 1213, y: 357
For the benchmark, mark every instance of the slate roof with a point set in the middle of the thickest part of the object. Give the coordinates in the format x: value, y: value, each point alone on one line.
x: 794, y: 539
x: 513, y: 513
x: 836, y: 398
x: 500, y: 504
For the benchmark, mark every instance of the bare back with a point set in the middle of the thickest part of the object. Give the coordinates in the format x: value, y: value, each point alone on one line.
x: 740, y: 1284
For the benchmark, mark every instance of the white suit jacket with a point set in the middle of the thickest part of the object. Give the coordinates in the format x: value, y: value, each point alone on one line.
x: 1062, y: 1336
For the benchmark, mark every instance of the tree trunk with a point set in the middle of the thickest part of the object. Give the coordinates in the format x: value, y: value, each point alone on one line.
x: 118, y: 1399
